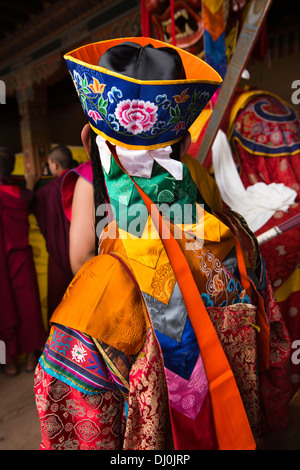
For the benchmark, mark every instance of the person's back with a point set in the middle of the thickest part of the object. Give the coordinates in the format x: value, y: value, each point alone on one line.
x: 54, y: 225
x: 155, y: 325
x: 22, y: 328
x: 14, y: 211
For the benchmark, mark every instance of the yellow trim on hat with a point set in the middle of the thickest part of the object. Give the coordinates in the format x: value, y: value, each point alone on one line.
x: 133, y: 147
x: 265, y: 154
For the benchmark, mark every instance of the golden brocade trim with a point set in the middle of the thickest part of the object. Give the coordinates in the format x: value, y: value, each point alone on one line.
x: 91, y: 305
x: 234, y: 326
x: 148, y: 425
x: 163, y: 283
x: 252, y: 324
x: 111, y: 364
x: 270, y: 155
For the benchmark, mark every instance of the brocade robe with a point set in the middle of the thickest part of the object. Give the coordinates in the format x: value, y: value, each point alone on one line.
x: 127, y: 364
x: 21, y: 325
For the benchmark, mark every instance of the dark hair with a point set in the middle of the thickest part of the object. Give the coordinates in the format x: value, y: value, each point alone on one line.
x: 7, y: 161
x: 100, y: 193
x: 62, y: 155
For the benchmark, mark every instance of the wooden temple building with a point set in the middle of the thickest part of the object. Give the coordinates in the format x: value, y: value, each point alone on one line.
x: 41, y: 106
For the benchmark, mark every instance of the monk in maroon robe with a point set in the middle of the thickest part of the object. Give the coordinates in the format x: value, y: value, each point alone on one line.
x: 21, y: 324
x: 54, y: 225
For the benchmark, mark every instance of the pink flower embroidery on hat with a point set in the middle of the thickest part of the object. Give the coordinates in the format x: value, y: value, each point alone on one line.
x: 94, y: 115
x: 136, y: 116
x: 179, y: 126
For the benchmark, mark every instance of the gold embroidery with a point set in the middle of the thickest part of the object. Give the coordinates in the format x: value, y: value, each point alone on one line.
x: 148, y: 424
x: 238, y: 339
x: 163, y: 283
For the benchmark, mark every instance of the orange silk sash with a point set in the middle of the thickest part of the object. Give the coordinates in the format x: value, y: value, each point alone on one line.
x: 126, y: 328
x: 231, y: 422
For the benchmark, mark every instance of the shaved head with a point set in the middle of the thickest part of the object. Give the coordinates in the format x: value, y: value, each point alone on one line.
x: 62, y: 155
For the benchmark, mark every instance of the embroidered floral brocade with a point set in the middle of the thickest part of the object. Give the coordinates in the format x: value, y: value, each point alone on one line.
x: 275, y: 382
x: 148, y: 422
x: 235, y: 326
x: 163, y: 283
x: 118, y: 320
x: 156, y: 118
x: 72, y: 420
x: 219, y: 287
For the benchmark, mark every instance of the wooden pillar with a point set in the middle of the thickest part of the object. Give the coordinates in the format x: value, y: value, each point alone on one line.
x: 35, y: 137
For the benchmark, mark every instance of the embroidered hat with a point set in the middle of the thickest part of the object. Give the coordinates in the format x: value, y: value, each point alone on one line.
x: 136, y: 112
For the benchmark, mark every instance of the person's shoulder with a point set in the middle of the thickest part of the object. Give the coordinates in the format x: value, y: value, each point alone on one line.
x: 70, y: 179
x: 85, y: 171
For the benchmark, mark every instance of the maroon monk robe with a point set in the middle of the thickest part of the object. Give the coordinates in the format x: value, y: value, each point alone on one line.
x: 54, y: 225
x: 21, y: 324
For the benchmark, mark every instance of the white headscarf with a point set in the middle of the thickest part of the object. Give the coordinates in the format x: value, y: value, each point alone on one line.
x: 140, y: 162
x: 259, y: 202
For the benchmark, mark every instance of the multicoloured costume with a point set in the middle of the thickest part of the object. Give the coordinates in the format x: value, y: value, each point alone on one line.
x: 264, y: 133
x: 54, y: 225
x: 160, y: 339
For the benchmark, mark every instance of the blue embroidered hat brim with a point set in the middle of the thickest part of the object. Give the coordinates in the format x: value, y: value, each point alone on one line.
x: 140, y: 113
